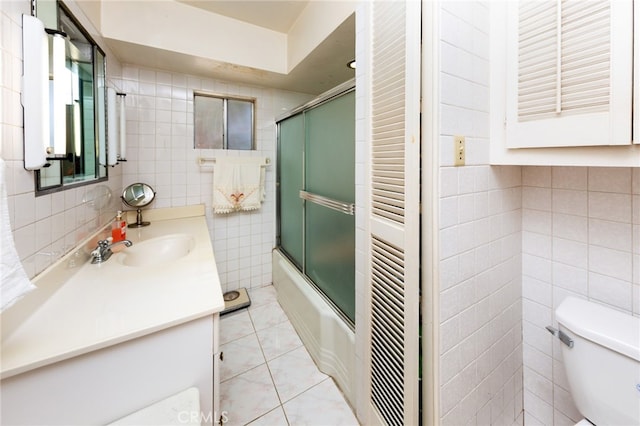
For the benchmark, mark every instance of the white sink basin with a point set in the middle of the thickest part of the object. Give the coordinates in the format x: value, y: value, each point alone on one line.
x: 157, y: 251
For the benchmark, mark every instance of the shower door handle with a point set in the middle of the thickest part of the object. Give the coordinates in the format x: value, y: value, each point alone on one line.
x: 346, y: 208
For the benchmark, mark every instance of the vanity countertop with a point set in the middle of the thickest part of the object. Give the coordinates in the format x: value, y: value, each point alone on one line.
x: 105, y: 304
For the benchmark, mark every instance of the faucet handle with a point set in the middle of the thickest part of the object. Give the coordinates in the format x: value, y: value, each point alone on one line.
x: 99, y: 252
x: 102, y: 245
x: 96, y: 254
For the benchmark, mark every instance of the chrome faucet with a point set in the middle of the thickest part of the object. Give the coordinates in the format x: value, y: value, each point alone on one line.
x: 103, y: 252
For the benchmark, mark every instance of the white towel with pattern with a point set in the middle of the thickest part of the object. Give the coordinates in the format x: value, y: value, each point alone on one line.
x: 238, y: 184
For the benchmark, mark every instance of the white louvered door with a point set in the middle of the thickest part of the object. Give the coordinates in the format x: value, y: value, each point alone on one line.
x: 569, y: 73
x: 393, y: 211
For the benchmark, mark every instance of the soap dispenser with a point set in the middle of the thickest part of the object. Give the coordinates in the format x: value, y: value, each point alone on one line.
x: 119, y: 228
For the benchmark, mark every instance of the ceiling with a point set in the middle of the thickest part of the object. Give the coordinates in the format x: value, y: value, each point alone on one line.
x: 274, y: 15
x: 324, y: 68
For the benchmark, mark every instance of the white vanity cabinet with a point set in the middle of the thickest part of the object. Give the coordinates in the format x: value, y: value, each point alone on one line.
x: 217, y: 414
x: 562, y: 89
x: 94, y: 343
x: 102, y: 386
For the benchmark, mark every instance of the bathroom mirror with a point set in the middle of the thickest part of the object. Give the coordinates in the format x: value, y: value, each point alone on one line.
x: 77, y: 70
x: 138, y: 195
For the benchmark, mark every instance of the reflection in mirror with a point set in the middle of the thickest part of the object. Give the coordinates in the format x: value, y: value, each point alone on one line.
x: 138, y: 195
x: 97, y: 197
x: 77, y: 85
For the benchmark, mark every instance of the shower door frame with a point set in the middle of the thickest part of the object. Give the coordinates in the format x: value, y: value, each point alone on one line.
x: 336, y: 92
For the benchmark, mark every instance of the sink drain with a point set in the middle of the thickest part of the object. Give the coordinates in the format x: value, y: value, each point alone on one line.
x: 231, y: 295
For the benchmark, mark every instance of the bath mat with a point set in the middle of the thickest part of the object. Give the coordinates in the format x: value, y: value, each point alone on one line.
x: 235, y: 299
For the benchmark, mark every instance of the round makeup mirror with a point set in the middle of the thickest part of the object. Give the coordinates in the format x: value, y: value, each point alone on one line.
x: 138, y: 195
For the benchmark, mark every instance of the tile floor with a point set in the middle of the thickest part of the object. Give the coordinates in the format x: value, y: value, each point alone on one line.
x: 267, y: 376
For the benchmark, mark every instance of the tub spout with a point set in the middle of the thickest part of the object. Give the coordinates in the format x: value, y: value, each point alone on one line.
x: 103, y: 252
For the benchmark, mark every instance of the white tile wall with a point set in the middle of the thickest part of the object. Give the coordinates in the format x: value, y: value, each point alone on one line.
x: 46, y: 227
x: 592, y: 224
x: 481, y: 378
x: 160, y: 152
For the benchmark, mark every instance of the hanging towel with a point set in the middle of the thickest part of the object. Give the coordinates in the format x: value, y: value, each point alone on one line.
x: 238, y: 184
x: 14, y: 282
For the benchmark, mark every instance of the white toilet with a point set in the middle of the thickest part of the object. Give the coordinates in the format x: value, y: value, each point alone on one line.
x: 601, y: 352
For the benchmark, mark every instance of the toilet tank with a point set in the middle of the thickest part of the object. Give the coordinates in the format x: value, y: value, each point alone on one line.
x: 603, y: 366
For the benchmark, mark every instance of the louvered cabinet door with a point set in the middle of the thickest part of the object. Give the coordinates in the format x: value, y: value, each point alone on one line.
x: 569, y: 73
x: 393, y: 213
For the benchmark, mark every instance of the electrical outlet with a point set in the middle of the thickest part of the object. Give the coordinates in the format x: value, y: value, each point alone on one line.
x: 458, y: 151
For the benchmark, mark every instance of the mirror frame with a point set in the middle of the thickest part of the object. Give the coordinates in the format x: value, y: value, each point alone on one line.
x: 147, y: 192
x: 99, y: 69
x: 149, y: 195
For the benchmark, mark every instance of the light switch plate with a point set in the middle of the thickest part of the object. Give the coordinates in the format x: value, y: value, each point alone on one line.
x: 459, y: 150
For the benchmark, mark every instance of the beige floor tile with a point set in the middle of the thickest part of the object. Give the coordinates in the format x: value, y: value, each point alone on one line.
x: 294, y: 373
x: 248, y: 396
x: 321, y: 405
x: 240, y: 355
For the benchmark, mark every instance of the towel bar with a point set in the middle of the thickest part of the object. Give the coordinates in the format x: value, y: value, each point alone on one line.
x: 204, y: 160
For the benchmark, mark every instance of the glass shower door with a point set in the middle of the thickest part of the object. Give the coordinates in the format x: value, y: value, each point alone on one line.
x: 290, y: 159
x: 329, y: 244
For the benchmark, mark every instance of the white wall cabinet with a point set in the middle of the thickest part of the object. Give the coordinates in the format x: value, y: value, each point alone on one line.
x: 562, y: 83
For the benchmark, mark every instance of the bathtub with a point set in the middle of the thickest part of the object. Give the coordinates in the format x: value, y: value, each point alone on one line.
x: 327, y: 338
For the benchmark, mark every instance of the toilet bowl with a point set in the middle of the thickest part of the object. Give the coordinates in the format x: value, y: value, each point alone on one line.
x: 601, y: 353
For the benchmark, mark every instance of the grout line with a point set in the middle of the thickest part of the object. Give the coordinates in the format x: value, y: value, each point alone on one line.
x: 306, y: 389
x: 273, y: 382
x: 228, y: 319
x: 255, y: 332
x: 241, y: 373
